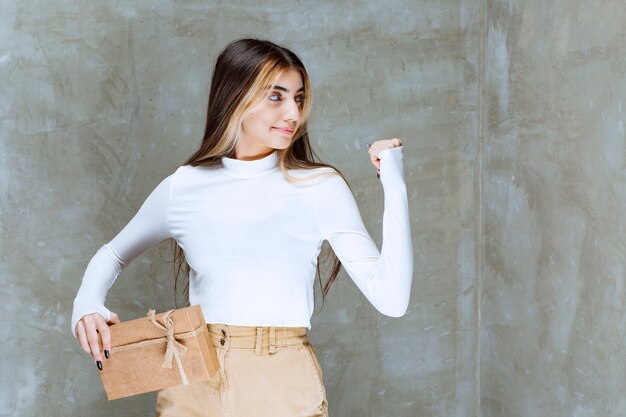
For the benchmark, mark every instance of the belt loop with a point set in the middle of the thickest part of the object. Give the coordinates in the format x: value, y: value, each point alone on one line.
x: 272, y: 340
x: 259, y: 341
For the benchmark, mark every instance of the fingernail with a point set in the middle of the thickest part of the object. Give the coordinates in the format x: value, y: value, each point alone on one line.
x: 99, y: 365
x: 377, y: 175
x: 106, y: 354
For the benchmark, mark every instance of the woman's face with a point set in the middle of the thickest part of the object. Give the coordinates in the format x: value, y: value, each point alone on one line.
x: 273, y: 123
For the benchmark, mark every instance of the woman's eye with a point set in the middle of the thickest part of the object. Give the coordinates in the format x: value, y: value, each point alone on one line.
x: 278, y: 97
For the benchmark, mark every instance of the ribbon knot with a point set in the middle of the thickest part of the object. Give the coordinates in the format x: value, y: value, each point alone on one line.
x: 174, y: 349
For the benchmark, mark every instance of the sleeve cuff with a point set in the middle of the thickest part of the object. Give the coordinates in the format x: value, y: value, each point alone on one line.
x: 80, y: 311
x: 392, y: 152
x: 391, y: 165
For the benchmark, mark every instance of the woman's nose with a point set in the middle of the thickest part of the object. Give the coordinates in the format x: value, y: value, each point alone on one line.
x: 292, y: 112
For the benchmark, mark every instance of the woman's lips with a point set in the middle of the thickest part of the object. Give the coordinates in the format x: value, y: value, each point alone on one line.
x: 284, y: 131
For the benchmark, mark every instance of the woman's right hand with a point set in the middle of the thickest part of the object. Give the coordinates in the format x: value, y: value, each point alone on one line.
x: 92, y: 331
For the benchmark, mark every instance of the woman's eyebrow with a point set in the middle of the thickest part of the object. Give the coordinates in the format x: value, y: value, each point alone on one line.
x: 280, y: 88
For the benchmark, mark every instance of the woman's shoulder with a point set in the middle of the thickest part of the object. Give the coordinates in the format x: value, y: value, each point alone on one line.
x: 189, y: 176
x: 323, y: 182
x: 315, y: 175
x: 190, y: 171
x: 304, y: 172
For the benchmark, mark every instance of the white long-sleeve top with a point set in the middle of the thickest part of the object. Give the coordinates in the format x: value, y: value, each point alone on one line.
x: 252, y: 239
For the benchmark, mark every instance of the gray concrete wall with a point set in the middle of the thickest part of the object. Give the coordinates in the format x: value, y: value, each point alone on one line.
x: 554, y: 193
x: 102, y: 99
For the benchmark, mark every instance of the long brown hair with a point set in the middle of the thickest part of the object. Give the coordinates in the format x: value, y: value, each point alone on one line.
x: 242, y: 73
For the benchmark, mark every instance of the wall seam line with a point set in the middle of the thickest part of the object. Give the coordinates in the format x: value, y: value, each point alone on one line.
x: 478, y: 178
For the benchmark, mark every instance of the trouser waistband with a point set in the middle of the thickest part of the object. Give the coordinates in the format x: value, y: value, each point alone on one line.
x: 262, y: 340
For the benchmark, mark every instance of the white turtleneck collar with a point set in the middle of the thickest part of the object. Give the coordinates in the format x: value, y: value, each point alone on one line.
x: 239, y: 168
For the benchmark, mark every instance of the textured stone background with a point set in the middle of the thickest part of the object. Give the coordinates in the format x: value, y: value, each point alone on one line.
x: 513, y: 121
x: 102, y: 99
x: 554, y: 194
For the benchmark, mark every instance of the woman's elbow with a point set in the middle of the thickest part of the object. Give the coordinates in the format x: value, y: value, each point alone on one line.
x: 394, y: 310
x: 394, y: 300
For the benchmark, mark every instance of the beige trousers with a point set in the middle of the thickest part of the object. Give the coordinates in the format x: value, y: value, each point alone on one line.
x: 265, y: 372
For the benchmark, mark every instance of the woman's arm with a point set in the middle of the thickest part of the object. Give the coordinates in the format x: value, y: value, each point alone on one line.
x: 147, y: 228
x: 384, y: 277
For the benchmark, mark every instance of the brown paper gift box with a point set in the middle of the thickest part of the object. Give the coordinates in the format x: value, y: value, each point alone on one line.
x: 141, y: 350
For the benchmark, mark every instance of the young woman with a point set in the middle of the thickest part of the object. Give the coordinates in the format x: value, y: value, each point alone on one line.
x: 249, y: 210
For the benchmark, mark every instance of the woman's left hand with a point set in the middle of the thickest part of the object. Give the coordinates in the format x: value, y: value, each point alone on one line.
x: 380, y: 145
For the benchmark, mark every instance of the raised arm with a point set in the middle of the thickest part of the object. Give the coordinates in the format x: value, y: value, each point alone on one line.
x: 384, y: 277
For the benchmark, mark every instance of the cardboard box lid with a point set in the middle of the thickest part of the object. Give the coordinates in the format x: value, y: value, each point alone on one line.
x: 185, y: 320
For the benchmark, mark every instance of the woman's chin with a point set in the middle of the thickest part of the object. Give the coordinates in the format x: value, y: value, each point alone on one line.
x: 281, y: 144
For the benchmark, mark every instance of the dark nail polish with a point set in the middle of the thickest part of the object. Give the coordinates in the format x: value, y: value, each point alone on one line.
x: 99, y: 365
x: 106, y: 354
x: 377, y: 175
